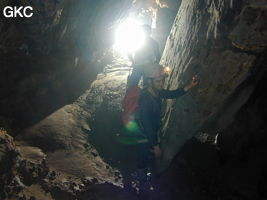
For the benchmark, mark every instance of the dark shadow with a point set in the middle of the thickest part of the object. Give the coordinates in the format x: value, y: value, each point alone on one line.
x: 105, y: 127
x: 34, y: 88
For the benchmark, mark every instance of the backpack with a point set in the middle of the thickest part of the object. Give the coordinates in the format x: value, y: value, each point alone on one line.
x: 130, y: 104
x: 131, y: 99
x: 130, y: 134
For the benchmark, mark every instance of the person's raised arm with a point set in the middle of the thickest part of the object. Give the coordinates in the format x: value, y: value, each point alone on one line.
x: 172, y: 94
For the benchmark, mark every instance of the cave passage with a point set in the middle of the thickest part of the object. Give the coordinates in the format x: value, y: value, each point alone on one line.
x: 66, y: 69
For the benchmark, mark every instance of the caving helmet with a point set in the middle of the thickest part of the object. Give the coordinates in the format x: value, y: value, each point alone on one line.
x: 156, y: 71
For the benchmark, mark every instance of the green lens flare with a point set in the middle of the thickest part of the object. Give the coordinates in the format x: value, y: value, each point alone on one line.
x: 132, y: 126
x: 131, y: 135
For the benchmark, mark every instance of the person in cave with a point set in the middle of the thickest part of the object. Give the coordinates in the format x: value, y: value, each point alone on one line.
x: 149, y: 120
x: 148, y: 54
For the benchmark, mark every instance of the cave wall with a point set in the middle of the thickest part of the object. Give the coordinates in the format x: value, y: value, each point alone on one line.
x: 49, y: 60
x: 160, y: 14
x: 224, y: 43
x: 165, y: 15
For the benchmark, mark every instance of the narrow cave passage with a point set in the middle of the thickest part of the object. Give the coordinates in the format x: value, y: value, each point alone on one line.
x: 64, y: 73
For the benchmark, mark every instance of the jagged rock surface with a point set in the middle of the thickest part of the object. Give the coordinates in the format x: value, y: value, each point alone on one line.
x: 74, y: 163
x: 28, y: 173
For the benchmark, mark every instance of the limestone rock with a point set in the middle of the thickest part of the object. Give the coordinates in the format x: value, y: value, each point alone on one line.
x: 199, y: 44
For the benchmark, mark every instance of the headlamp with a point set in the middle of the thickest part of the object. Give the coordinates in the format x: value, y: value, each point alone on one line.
x: 166, y: 70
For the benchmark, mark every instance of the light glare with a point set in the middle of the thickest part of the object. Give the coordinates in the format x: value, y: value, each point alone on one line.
x: 129, y: 36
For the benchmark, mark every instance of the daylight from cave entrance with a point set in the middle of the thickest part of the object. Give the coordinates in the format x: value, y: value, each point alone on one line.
x: 133, y: 99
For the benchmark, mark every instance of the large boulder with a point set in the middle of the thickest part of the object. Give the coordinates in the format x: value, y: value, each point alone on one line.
x: 214, y: 40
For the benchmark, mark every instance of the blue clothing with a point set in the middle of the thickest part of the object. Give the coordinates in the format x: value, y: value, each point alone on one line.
x: 149, y: 120
x: 149, y: 112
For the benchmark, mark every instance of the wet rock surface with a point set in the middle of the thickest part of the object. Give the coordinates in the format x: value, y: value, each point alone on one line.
x: 228, y: 101
x: 228, y: 73
x: 70, y: 149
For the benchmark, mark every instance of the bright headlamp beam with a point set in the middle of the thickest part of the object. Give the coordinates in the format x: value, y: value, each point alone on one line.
x: 129, y: 36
